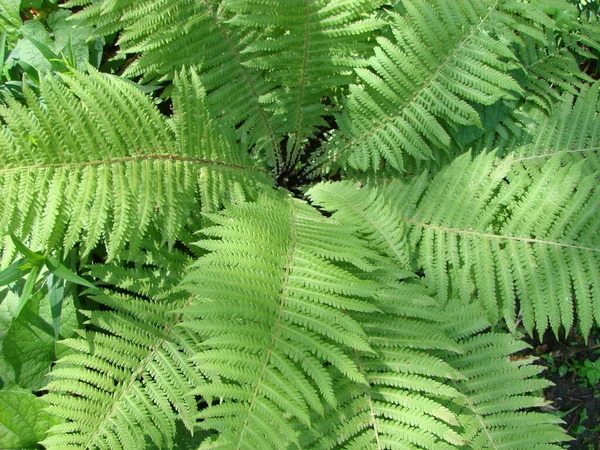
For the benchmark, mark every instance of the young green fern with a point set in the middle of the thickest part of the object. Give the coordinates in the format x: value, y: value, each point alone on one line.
x: 442, y: 59
x: 498, y: 389
x: 457, y: 144
x: 405, y: 401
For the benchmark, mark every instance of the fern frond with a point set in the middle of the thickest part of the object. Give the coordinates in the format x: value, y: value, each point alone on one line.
x: 169, y: 35
x: 502, y: 227
x: 378, y: 222
x: 571, y: 132
x: 534, y: 134
x: 443, y: 58
x: 404, y: 404
x: 277, y: 60
x: 273, y: 308
x: 550, y: 70
x: 309, y: 51
x: 128, y: 377
x: 500, y: 388
x: 95, y: 160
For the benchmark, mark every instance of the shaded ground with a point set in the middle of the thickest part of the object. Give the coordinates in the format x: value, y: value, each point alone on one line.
x: 573, y: 365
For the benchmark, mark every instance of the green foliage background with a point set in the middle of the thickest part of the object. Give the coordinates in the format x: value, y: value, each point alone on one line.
x: 278, y: 224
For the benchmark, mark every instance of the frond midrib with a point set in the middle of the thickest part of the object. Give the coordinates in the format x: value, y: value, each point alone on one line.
x: 496, y: 236
x: 556, y: 153
x: 367, y: 219
x: 558, y: 51
x: 243, y: 69
x: 432, y: 77
x: 480, y: 420
x: 302, y: 80
x: 126, y: 159
x: 274, y: 334
x: 367, y: 393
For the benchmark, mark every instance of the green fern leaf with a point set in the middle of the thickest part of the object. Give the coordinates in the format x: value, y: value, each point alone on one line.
x: 571, y: 132
x: 97, y: 161
x: 500, y: 227
x: 550, y: 71
x: 277, y: 59
x: 127, y: 378
x: 379, y: 223
x: 309, y: 51
x: 443, y: 58
x: 533, y: 136
x: 500, y: 388
x: 272, y: 308
x: 404, y: 404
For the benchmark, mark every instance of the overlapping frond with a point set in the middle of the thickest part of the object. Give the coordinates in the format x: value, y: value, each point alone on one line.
x: 404, y: 405
x: 444, y: 57
x: 272, y: 62
x: 309, y: 50
x: 379, y: 223
x: 168, y: 35
x: 477, y: 394
x: 499, y: 406
x: 571, y: 131
x: 126, y: 380
x: 505, y: 229
x: 550, y: 70
x: 273, y: 309
x: 94, y: 159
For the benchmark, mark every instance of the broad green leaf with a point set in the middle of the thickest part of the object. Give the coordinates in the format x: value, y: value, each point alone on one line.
x: 29, y: 255
x: 23, y: 421
x: 42, y: 48
x: 10, y: 20
x: 29, y: 342
x: 28, y: 288
x: 29, y: 345
x: 37, y: 4
x: 48, y: 54
x: 68, y: 317
x: 2, y: 51
x: 69, y: 38
x: 8, y: 305
x: 25, y: 51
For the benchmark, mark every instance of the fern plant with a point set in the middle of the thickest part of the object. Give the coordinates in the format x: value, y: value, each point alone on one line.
x: 330, y: 230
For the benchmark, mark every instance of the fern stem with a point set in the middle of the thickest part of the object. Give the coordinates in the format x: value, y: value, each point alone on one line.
x: 293, y: 157
x: 261, y: 110
x: 561, y: 152
x: 138, y: 373
x: 498, y: 236
x: 372, y: 414
x: 368, y: 219
x: 479, y: 418
x: 125, y: 159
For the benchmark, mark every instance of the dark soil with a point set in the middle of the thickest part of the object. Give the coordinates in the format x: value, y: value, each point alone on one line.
x: 573, y: 397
